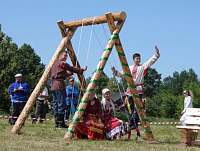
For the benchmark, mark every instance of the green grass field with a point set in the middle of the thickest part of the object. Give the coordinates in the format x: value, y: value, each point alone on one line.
x: 44, y: 137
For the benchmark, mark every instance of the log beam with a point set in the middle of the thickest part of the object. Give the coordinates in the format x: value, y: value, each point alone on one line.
x: 76, y: 64
x: 129, y: 79
x: 119, y: 16
x: 62, y: 28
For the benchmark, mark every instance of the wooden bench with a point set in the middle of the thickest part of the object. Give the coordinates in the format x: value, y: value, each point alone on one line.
x: 190, y: 132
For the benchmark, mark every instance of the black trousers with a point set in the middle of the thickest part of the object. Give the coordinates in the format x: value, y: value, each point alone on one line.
x: 15, y: 112
x: 133, y: 117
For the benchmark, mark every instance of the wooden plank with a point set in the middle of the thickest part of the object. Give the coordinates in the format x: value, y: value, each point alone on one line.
x: 186, y: 131
x: 192, y: 120
x: 119, y: 16
x: 193, y: 111
x: 188, y: 127
x: 196, y: 142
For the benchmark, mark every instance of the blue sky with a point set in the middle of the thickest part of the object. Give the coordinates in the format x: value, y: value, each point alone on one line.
x: 171, y: 25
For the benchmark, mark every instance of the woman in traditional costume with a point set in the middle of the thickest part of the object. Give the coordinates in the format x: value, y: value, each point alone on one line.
x: 91, y: 127
x: 114, y: 128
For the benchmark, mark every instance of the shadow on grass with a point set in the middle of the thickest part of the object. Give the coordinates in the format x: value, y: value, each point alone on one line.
x: 158, y: 143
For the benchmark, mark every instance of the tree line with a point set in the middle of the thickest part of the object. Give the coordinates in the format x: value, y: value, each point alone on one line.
x: 164, y: 97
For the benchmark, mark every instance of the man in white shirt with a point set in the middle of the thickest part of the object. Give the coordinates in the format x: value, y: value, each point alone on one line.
x: 41, y: 106
x: 138, y: 72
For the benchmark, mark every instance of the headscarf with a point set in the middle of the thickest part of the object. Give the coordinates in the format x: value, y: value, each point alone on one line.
x: 104, y: 91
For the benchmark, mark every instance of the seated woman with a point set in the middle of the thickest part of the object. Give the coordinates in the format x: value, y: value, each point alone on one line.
x: 115, y: 128
x: 91, y: 127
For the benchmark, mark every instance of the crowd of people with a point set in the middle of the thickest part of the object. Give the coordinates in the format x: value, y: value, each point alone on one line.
x: 99, y: 121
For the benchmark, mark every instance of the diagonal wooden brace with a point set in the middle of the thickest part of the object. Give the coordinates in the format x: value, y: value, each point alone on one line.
x: 129, y: 79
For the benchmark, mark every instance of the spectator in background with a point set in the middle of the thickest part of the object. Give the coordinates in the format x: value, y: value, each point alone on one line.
x: 41, y: 105
x: 71, y: 100
x: 188, y: 103
x: 18, y: 90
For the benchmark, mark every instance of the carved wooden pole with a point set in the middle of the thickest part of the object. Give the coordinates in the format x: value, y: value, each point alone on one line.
x: 41, y: 84
x: 130, y: 82
x: 91, y: 86
x: 72, y: 55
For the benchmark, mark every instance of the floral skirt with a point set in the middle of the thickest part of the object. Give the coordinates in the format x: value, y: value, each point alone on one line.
x: 90, y: 128
x: 115, y: 128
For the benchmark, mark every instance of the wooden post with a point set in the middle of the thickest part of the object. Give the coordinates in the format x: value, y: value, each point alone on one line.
x: 129, y: 79
x: 72, y: 55
x: 119, y: 16
x: 41, y: 84
x: 91, y: 86
x: 76, y: 63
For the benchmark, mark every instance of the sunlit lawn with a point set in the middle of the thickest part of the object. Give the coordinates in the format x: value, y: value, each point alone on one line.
x: 45, y: 137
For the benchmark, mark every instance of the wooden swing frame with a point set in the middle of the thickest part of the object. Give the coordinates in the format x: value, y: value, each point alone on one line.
x: 67, y: 30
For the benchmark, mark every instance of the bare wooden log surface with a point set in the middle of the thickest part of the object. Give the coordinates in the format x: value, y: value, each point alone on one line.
x: 91, y: 86
x: 130, y: 81
x: 41, y: 84
x: 76, y: 63
x: 62, y: 28
x: 72, y: 54
x: 119, y: 16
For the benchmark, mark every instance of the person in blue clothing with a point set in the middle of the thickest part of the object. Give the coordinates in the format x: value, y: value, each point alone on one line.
x: 18, y: 91
x: 71, y: 100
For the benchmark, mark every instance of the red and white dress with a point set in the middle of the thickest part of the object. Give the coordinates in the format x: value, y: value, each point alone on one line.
x: 115, y: 128
x: 90, y: 127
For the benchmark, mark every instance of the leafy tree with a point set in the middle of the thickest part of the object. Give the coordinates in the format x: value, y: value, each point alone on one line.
x: 102, y: 83
x: 152, y: 109
x: 88, y: 80
x: 169, y: 105
x: 153, y: 105
x: 28, y: 63
x: 7, y: 66
x: 180, y: 105
x: 174, y: 85
x: 113, y: 85
x: 123, y: 84
x: 152, y: 82
x: 14, y: 60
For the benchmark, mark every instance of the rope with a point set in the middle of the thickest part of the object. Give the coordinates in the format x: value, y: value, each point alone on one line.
x: 115, y: 65
x: 90, y: 40
x: 87, y: 53
x: 78, y: 51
